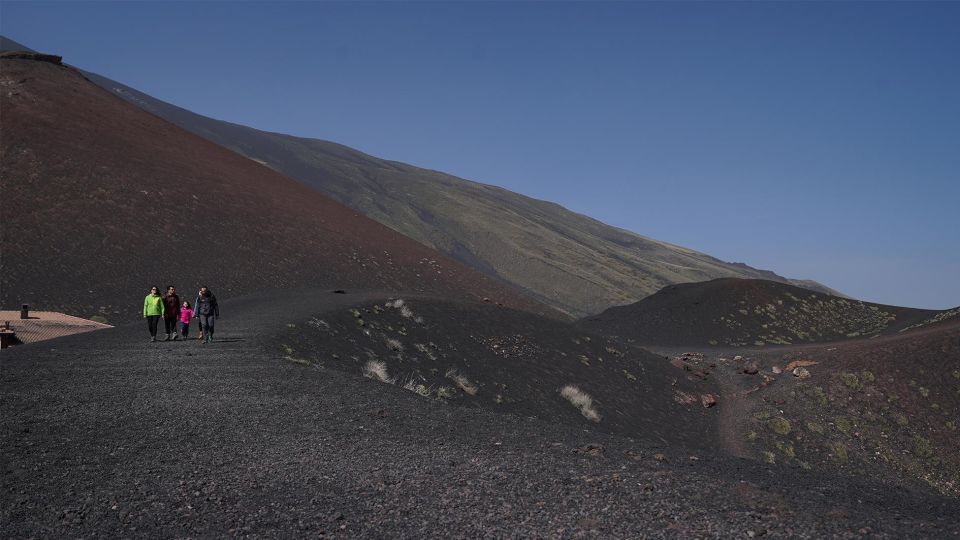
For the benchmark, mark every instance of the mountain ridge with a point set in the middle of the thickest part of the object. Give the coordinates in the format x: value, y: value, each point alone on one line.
x: 570, y: 261
x: 573, y: 262
x: 121, y: 199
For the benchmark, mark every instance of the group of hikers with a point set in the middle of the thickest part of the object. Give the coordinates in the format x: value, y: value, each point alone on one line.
x: 175, y: 313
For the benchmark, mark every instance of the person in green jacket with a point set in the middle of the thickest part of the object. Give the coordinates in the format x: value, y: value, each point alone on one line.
x: 152, y: 311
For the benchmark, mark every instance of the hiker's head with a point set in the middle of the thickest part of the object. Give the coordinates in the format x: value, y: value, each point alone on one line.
x: 204, y: 291
x: 154, y: 290
x: 186, y: 304
x: 170, y: 289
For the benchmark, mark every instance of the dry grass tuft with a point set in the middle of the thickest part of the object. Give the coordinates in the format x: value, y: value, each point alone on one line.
x: 377, y: 370
x: 581, y: 400
x: 394, y: 344
x: 462, y: 382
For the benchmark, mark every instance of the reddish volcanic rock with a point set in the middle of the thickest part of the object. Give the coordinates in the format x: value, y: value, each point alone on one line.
x: 102, y: 200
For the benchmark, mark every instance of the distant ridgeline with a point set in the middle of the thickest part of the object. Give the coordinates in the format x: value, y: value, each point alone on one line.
x: 736, y: 313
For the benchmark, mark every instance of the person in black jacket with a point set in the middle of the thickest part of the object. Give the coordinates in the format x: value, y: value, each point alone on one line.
x: 207, y: 310
x: 171, y: 312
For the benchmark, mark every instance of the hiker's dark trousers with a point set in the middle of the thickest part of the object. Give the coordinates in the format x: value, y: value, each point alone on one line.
x: 206, y: 324
x: 153, y: 321
x: 170, y: 325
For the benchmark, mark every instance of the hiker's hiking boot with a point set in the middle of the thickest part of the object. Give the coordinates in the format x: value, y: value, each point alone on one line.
x: 167, y: 338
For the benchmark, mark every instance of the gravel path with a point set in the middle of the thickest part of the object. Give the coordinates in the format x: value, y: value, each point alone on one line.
x: 106, y: 434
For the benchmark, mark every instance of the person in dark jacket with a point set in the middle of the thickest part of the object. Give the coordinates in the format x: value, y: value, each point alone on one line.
x: 199, y: 324
x: 171, y: 312
x: 207, y: 310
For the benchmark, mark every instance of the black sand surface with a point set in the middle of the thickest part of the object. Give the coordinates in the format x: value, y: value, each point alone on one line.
x: 106, y: 434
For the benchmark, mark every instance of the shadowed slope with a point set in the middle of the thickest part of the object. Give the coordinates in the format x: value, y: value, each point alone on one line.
x: 510, y: 362
x: 567, y: 260
x: 101, y: 200
x: 105, y: 435
x: 738, y: 312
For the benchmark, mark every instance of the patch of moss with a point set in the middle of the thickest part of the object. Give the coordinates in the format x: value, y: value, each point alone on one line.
x: 843, y: 424
x: 922, y: 447
x: 820, y: 396
x: 901, y: 420
x: 752, y: 436
x: 286, y: 348
x: 761, y: 415
x: 851, y: 380
x: 768, y: 457
x: 839, y: 451
x: 787, y: 449
x: 924, y: 392
x: 814, y: 427
x: 868, y: 376
x: 779, y: 425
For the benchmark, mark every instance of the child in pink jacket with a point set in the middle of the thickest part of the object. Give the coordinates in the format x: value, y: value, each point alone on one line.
x: 185, y: 315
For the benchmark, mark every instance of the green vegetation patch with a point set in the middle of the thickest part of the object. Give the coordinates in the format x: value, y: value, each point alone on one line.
x: 779, y: 425
x: 851, y: 380
x: 839, y: 451
x: 820, y: 396
x: 922, y: 447
x: 844, y: 425
x: 814, y: 427
x: 786, y: 449
x: 901, y: 420
x: 868, y: 376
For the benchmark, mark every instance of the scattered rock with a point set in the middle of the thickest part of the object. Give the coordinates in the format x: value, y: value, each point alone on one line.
x: 751, y: 368
x: 594, y: 450
x: 801, y: 373
x: 738, y: 358
x: 799, y: 363
x: 708, y: 400
x: 776, y: 370
x: 660, y: 457
x: 684, y: 398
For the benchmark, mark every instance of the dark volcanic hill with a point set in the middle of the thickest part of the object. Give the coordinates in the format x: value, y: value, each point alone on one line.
x: 749, y: 312
x: 101, y: 200
x: 507, y: 361
x: 567, y: 260
x: 272, y: 432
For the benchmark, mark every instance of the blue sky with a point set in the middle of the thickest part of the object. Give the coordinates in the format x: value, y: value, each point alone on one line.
x: 818, y: 140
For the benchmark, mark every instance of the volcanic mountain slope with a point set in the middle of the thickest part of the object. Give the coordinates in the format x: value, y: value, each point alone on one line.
x: 567, y: 260
x: 739, y: 312
x: 107, y: 435
x: 101, y: 200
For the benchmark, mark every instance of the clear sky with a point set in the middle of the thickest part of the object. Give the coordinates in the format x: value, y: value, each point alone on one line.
x: 818, y: 140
